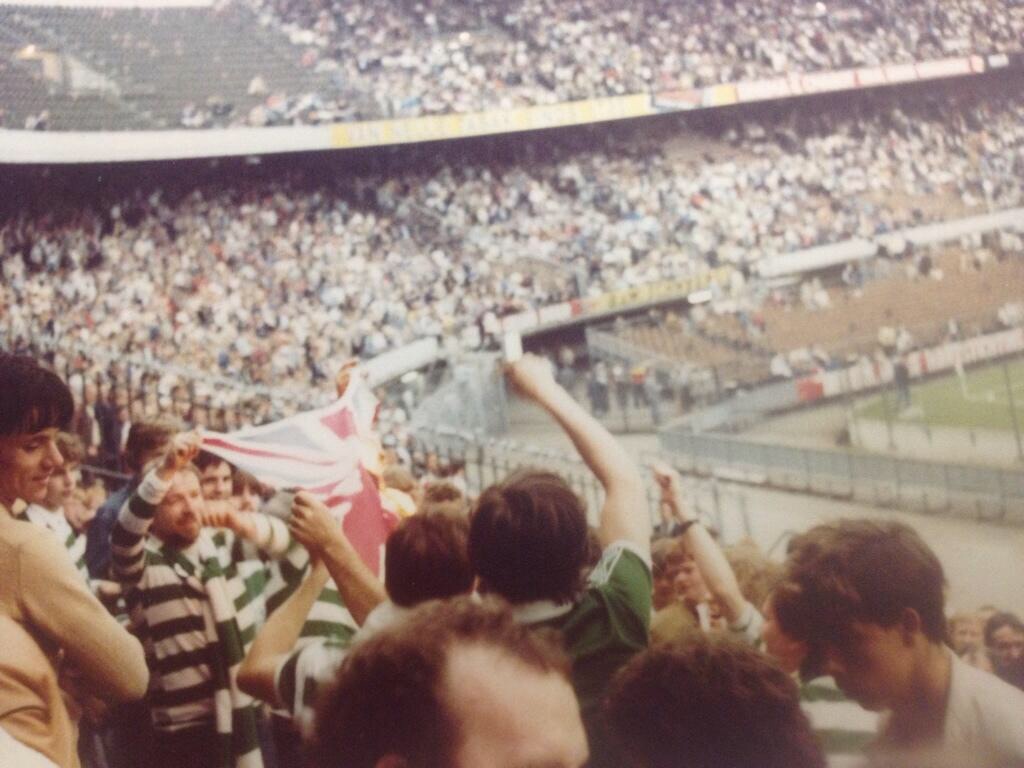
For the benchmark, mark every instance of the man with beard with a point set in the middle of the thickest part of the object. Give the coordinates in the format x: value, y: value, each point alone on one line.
x: 180, y: 563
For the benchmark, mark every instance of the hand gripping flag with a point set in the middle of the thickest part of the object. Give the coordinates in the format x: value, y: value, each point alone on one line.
x: 325, y: 452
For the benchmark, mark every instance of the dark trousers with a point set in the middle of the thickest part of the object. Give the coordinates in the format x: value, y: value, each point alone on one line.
x: 127, y: 736
x: 194, y: 748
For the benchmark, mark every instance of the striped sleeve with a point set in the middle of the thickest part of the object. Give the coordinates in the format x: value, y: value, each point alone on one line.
x: 271, y: 539
x: 128, y: 539
x: 286, y: 574
x: 329, y: 618
x: 302, y: 676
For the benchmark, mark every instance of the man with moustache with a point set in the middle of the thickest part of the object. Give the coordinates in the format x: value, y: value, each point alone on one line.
x: 180, y: 563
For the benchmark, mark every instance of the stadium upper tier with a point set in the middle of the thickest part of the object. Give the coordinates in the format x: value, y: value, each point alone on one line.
x: 108, y: 69
x: 254, y: 271
x: 287, y: 62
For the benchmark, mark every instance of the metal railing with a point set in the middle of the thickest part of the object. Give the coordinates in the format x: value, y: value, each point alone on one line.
x: 979, y: 492
x: 485, y: 461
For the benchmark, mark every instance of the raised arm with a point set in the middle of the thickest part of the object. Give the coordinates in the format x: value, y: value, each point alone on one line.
x: 711, y: 562
x: 277, y: 638
x: 128, y: 538
x: 257, y: 535
x: 312, y: 525
x: 625, y: 515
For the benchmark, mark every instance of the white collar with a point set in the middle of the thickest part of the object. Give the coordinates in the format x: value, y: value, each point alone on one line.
x: 40, y: 515
x: 540, y: 611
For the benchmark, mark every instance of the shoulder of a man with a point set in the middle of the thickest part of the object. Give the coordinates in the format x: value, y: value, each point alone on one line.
x: 16, y: 531
x: 382, y: 617
x: 624, y: 572
x: 985, y: 712
x: 40, y: 552
x: 22, y: 546
x: 615, y: 607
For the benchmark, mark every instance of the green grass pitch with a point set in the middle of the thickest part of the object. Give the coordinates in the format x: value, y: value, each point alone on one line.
x: 981, y: 401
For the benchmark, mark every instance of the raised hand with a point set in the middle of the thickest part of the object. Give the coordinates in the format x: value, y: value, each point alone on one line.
x: 182, y: 450
x: 312, y: 524
x: 671, y: 486
x: 224, y: 514
x: 531, y: 376
x: 344, y: 377
x: 666, y: 477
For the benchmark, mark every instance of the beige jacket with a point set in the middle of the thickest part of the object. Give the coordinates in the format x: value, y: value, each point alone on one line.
x: 49, y: 622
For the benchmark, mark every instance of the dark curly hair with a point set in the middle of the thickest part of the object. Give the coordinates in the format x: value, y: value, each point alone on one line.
x: 528, y: 538
x: 709, y: 703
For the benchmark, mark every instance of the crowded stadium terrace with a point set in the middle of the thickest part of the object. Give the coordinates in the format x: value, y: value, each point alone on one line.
x: 269, y: 446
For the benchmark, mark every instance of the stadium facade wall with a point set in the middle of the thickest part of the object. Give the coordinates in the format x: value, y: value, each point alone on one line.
x: 23, y: 147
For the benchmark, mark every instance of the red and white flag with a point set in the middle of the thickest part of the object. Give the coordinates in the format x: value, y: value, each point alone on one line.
x: 326, y: 452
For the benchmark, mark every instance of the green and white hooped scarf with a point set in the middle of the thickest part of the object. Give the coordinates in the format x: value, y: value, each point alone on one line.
x: 236, y: 713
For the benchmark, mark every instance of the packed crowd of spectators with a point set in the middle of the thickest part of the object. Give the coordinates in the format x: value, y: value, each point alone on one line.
x: 286, y: 62
x: 408, y: 59
x: 198, y: 616
x: 259, y: 280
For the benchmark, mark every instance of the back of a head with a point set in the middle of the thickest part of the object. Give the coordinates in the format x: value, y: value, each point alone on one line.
x: 427, y: 558
x: 444, y: 497
x: 388, y: 698
x: 146, y: 438
x: 528, y: 538
x: 34, y: 398
x: 859, y: 570
x: 442, y: 491
x: 707, y: 703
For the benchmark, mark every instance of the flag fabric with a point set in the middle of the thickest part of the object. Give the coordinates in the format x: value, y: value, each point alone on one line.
x: 327, y: 452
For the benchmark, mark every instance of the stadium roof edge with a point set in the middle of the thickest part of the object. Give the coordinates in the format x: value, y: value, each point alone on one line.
x: 38, y: 147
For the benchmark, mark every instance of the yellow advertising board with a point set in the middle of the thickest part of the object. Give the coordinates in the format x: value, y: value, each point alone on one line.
x: 654, y: 292
x: 438, y: 127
